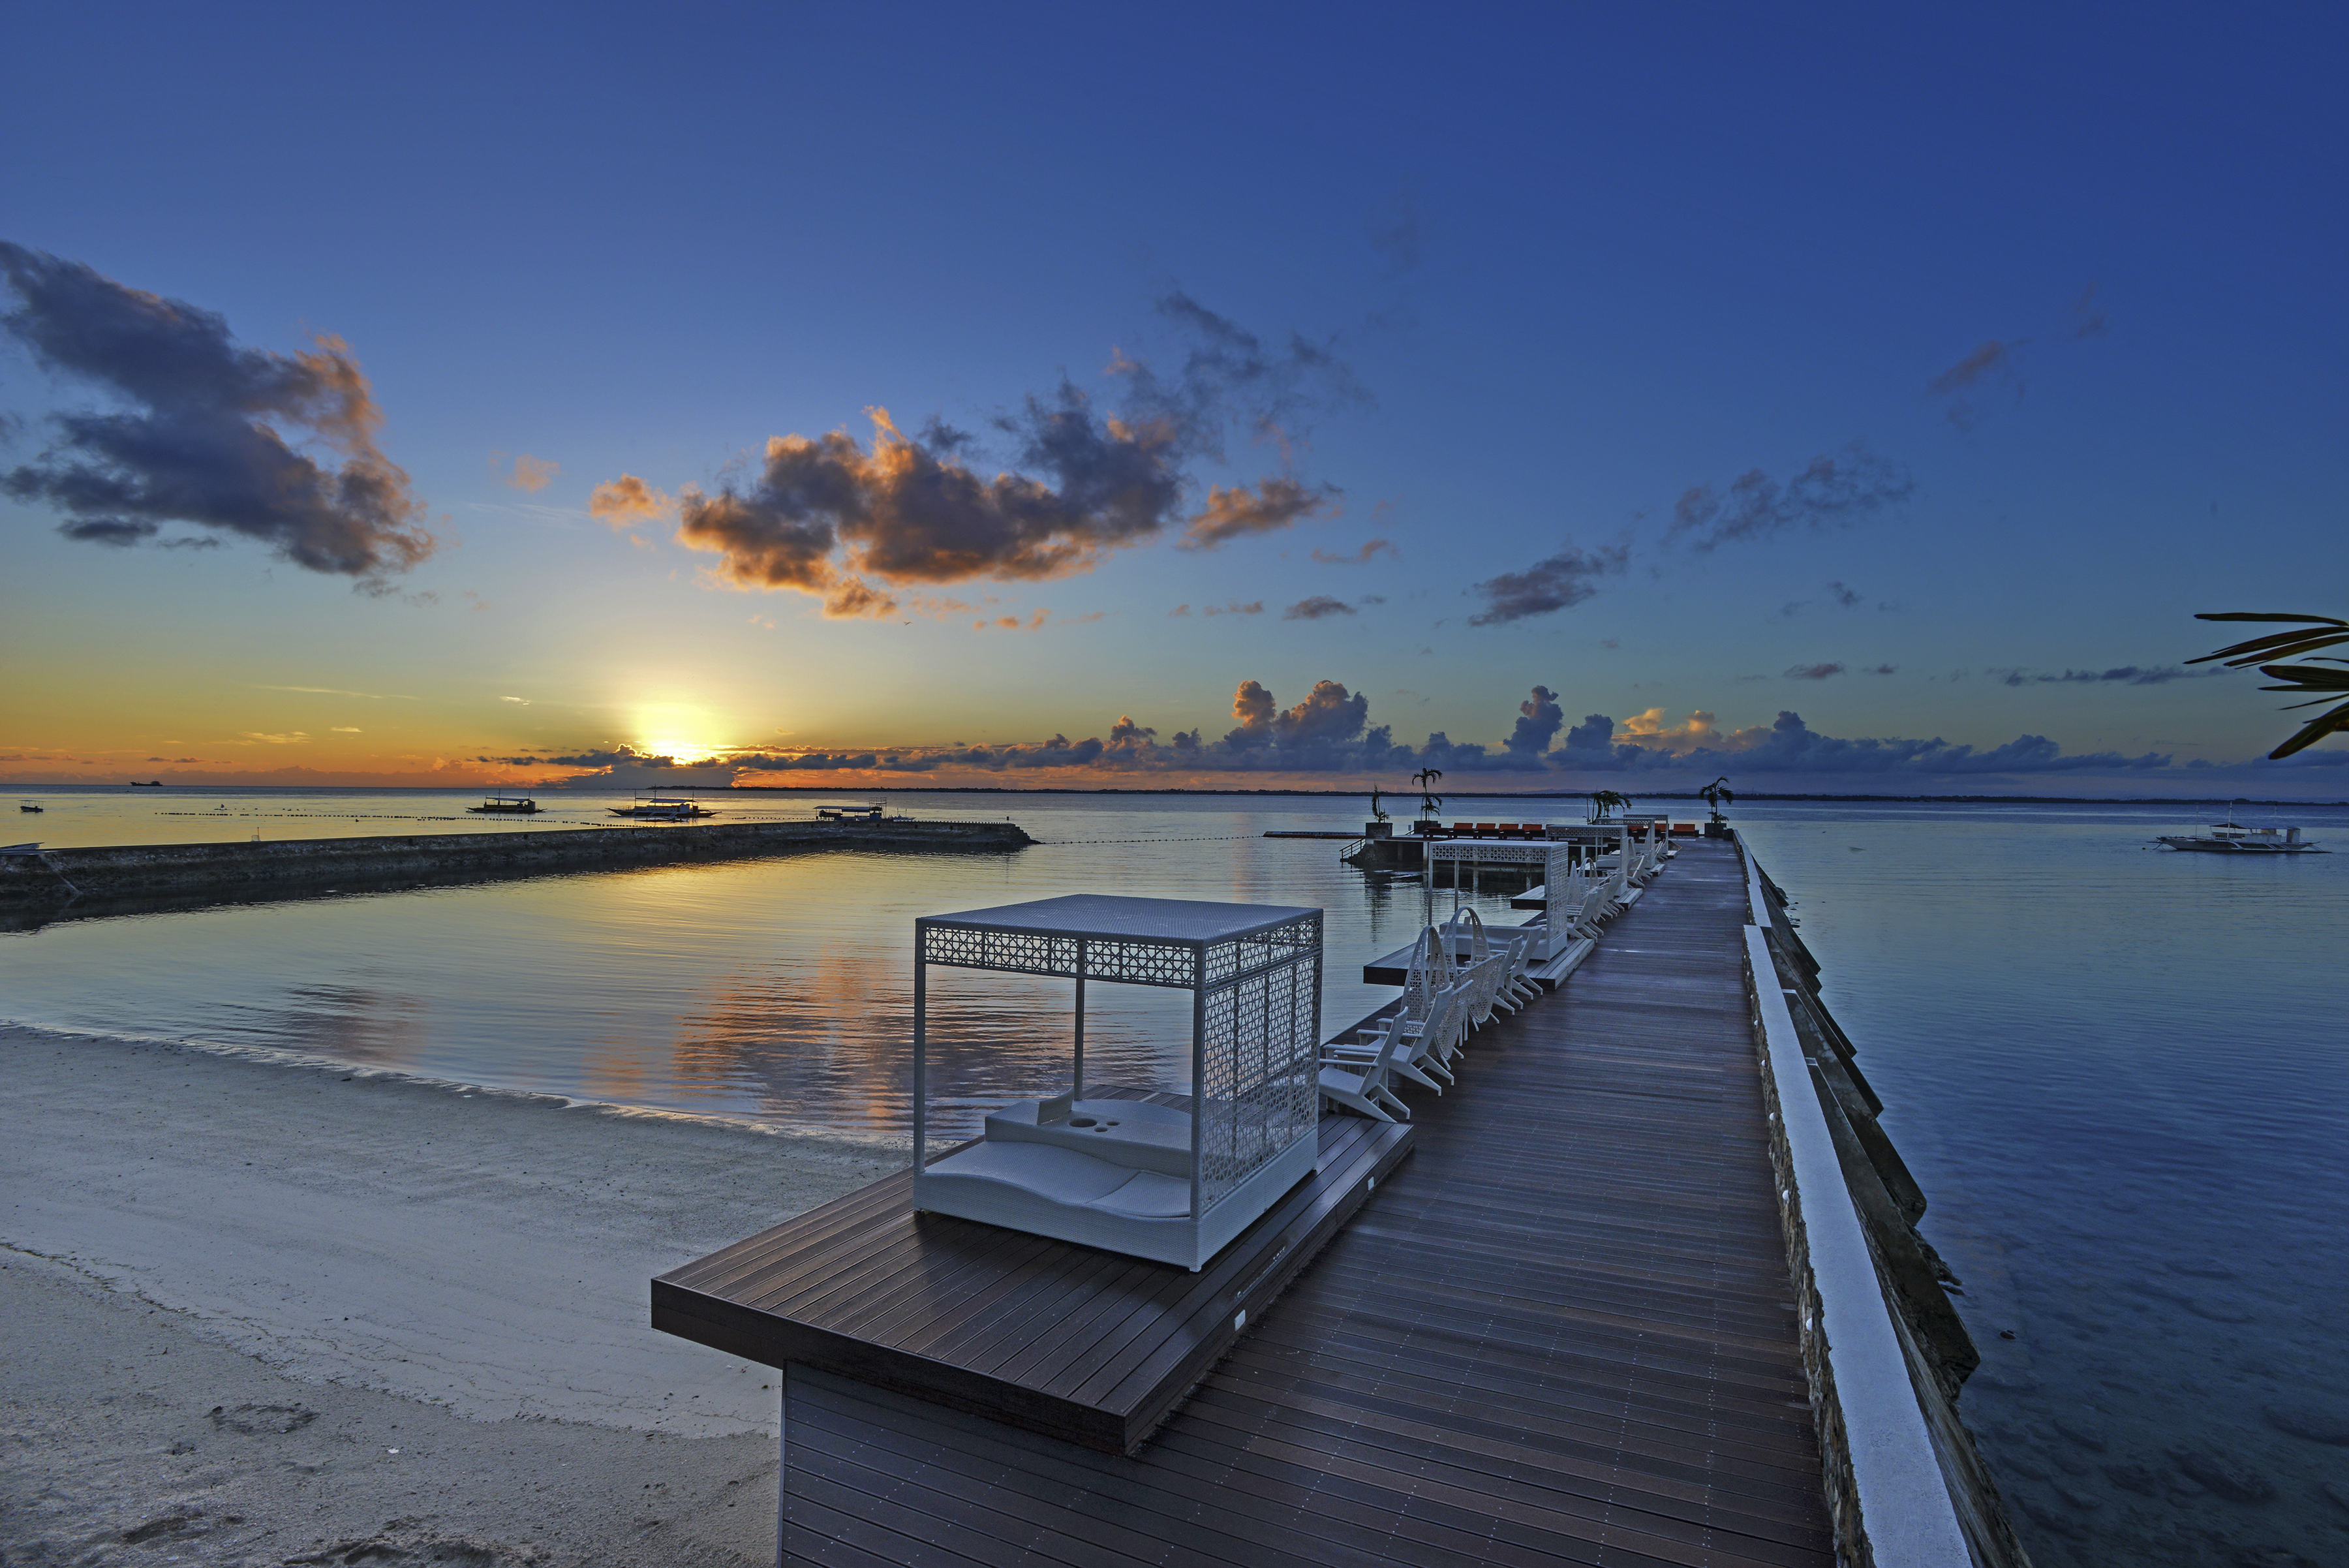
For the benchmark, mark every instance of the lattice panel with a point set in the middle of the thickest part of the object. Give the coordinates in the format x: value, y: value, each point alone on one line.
x: 1262, y: 951
x: 1260, y: 1093
x: 1142, y: 963
x: 1020, y: 952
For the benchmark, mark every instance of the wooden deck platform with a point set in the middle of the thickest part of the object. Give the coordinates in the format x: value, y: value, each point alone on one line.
x: 1062, y: 1339
x: 1394, y: 968
x: 1561, y: 1332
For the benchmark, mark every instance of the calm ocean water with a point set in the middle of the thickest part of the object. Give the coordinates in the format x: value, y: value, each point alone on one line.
x: 2121, y: 1074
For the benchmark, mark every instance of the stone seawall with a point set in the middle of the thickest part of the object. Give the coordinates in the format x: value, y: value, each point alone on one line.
x: 241, y: 868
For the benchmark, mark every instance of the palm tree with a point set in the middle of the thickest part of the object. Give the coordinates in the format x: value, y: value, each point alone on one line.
x: 1429, y: 801
x: 1717, y: 795
x: 2322, y: 631
x: 1606, y: 800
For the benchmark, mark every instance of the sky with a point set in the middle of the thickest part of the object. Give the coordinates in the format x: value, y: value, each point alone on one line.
x: 1836, y: 399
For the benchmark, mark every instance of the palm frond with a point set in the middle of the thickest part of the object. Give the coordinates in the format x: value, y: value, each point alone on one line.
x: 2324, y: 631
x: 2316, y: 730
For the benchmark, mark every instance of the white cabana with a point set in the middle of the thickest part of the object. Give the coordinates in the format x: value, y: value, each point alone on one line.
x: 1129, y: 1175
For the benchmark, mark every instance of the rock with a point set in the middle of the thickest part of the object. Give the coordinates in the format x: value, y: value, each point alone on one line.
x: 2317, y: 1424
x: 2229, y: 1477
x: 254, y: 1421
x: 2086, y: 1434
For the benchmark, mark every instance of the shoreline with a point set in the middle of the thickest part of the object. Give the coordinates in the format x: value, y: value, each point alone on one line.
x: 369, y: 1247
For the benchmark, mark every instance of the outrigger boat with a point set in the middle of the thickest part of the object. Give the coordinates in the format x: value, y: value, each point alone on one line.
x: 848, y: 812
x: 506, y: 806
x: 656, y: 807
x: 2232, y: 838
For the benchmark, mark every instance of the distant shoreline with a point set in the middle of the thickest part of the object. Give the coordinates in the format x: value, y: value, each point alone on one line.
x: 813, y: 791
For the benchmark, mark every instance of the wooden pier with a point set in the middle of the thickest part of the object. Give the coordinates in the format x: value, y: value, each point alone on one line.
x: 1564, y: 1330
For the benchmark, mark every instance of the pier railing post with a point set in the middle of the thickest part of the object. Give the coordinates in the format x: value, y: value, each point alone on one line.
x: 921, y: 1053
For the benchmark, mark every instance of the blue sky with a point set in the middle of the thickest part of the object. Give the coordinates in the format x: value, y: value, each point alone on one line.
x: 2057, y: 295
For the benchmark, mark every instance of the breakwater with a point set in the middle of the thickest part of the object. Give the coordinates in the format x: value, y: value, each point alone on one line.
x: 240, y: 868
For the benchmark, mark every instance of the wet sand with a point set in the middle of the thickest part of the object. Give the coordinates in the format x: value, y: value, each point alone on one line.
x: 235, y: 1287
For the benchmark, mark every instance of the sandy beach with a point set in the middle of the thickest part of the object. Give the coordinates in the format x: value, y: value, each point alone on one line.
x: 274, y: 1313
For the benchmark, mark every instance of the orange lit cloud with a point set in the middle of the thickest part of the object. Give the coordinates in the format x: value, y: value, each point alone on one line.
x: 626, y: 501
x: 1237, y: 511
x: 531, y: 473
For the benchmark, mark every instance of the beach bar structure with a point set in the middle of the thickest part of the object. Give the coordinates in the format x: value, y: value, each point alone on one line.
x: 1173, y: 1183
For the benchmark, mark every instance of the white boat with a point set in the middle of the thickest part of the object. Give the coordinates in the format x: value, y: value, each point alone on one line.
x: 2232, y: 838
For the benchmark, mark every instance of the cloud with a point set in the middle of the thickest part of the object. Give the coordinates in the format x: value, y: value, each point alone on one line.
x: 1884, y: 670
x: 1254, y: 607
x: 293, y: 739
x: 1318, y: 607
x: 1849, y: 598
x: 206, y: 433
x: 1556, y: 583
x: 531, y: 473
x: 338, y: 692
x: 622, y: 755
x: 1697, y: 730
x: 2126, y: 674
x: 626, y: 501
x: 1360, y: 557
x: 831, y: 517
x: 1993, y: 366
x: 2087, y: 321
x: 1328, y: 733
x: 1236, y: 511
x: 523, y: 700
x: 343, y: 728
x: 1833, y: 492
x: 1539, y: 719
x: 1812, y: 671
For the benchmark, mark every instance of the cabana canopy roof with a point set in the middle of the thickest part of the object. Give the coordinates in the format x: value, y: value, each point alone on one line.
x: 1178, y: 942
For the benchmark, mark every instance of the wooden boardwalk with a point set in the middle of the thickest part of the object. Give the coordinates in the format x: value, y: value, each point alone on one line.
x: 1561, y: 1332
x: 1064, y: 1339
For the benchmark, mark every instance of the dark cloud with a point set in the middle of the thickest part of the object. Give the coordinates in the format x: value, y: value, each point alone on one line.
x: 2126, y: 674
x: 1833, y: 492
x: 621, y: 757
x: 205, y: 432
x: 827, y: 516
x: 1318, y: 607
x: 1556, y: 583
x: 1328, y: 733
x: 1813, y: 671
x: 1538, y: 719
x: 1884, y: 670
x: 1254, y: 607
x: 1849, y: 599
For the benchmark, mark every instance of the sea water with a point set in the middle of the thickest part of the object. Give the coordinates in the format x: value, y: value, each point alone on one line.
x: 2120, y: 1073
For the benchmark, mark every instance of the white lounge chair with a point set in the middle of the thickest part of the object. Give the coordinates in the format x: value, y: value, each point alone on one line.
x: 1367, y: 1087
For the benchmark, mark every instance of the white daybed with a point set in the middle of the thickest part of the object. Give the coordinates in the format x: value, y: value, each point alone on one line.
x: 1137, y: 1176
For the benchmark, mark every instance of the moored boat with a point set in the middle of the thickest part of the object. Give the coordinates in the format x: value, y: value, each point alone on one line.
x: 658, y: 807
x: 505, y: 805
x: 2232, y: 838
